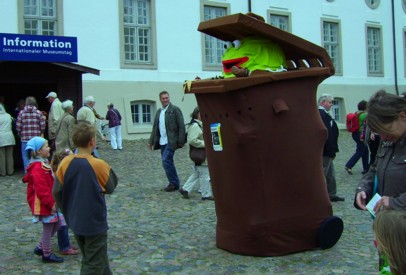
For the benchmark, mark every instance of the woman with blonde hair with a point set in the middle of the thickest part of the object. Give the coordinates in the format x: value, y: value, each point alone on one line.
x: 65, y: 125
x: 390, y: 233
x: 200, y: 173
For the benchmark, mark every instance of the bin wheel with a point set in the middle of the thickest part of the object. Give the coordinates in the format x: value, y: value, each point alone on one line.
x: 329, y: 232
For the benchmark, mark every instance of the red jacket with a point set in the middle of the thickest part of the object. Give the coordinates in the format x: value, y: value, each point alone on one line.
x: 39, y: 181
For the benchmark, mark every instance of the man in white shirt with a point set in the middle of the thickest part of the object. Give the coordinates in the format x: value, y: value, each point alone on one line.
x: 168, y: 134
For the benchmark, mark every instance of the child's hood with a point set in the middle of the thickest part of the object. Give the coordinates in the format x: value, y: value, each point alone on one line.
x: 32, y: 166
x: 30, y: 108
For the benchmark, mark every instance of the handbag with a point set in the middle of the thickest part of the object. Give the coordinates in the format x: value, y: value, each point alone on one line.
x: 197, y: 155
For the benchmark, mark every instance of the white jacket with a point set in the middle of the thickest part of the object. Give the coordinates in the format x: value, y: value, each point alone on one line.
x: 55, y: 113
x: 6, y: 132
x: 195, y: 136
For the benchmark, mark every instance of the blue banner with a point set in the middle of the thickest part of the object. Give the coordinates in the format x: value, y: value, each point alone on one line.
x: 23, y: 47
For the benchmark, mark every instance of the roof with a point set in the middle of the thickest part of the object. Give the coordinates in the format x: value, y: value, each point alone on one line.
x: 72, y: 66
x: 78, y: 67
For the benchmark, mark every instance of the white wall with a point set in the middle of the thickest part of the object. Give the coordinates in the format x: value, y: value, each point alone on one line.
x: 179, y: 54
x: 8, y: 17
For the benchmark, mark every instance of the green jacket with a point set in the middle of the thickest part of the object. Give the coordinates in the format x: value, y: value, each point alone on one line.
x: 175, y: 128
x: 362, y: 115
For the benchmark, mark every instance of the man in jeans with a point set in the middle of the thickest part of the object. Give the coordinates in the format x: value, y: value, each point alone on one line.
x: 168, y: 134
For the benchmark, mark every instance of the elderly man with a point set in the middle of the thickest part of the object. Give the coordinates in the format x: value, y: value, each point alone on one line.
x: 55, y: 113
x: 330, y: 147
x: 88, y: 113
x: 65, y: 126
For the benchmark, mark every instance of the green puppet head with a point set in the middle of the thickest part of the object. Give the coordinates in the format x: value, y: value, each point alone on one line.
x: 253, y: 53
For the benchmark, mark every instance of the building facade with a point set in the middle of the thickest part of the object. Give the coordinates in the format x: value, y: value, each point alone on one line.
x: 142, y: 47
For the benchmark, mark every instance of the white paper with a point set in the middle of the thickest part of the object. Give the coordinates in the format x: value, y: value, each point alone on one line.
x: 371, y: 204
x: 216, y: 136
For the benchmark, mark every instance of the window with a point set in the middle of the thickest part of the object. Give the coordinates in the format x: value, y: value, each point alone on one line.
x: 280, y: 21
x: 336, y: 109
x: 40, y: 17
x: 374, y: 50
x: 404, y: 5
x: 373, y: 4
x: 141, y: 113
x: 213, y: 48
x: 137, y: 33
x: 331, y: 42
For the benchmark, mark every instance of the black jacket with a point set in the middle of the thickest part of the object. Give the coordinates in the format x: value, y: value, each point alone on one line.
x: 331, y: 146
x: 175, y: 128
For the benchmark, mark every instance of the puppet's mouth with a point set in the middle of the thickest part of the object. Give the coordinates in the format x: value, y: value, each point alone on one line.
x: 228, y: 64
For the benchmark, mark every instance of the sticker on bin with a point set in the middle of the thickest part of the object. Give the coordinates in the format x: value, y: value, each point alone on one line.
x: 216, y: 136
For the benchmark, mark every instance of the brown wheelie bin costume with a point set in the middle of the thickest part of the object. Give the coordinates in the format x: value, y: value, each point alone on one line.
x: 264, y: 140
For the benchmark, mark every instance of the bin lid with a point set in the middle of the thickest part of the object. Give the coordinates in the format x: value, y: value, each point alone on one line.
x: 205, y: 86
x: 238, y: 26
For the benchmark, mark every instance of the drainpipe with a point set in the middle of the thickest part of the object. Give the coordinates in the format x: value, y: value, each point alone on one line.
x: 394, y: 48
x: 249, y: 5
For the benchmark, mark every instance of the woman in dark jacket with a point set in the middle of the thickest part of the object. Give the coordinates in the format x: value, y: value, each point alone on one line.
x: 387, y: 177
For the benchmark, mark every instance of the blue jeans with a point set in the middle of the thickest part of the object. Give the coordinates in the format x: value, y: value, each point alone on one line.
x: 63, y: 238
x: 96, y: 153
x: 169, y: 166
x: 24, y: 155
x: 360, y: 152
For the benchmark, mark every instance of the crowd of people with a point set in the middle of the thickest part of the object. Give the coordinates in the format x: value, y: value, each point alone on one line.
x: 72, y: 144
x: 382, y: 128
x: 27, y: 121
x: 41, y: 161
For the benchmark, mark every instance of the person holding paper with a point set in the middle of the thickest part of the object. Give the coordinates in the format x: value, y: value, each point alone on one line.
x: 387, y: 177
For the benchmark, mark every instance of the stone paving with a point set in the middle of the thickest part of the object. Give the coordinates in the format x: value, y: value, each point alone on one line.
x: 154, y: 232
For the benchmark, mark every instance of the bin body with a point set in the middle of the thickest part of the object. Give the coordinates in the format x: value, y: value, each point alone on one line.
x: 270, y: 192
x: 265, y: 158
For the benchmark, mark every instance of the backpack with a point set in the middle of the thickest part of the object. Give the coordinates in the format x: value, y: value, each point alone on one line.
x: 352, y: 122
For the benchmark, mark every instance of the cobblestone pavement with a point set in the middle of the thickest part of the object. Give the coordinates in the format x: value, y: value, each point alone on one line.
x: 154, y: 232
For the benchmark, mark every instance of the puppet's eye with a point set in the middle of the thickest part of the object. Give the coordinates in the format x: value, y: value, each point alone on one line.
x: 228, y: 45
x: 237, y: 44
